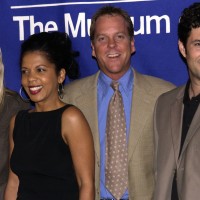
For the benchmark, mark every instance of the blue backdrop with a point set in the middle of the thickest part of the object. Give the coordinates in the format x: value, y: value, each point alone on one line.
x: 155, y: 23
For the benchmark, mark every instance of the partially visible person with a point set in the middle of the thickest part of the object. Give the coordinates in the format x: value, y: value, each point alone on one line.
x: 112, y: 41
x: 177, y: 121
x: 10, y: 104
x: 52, y: 155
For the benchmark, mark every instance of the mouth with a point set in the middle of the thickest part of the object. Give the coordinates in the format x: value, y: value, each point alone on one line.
x: 113, y: 55
x: 35, y: 89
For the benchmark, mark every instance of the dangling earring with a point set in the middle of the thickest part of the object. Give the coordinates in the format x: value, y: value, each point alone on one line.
x: 20, y: 93
x: 60, y: 90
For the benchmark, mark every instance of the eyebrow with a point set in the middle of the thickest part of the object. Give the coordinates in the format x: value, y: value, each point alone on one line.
x: 196, y: 40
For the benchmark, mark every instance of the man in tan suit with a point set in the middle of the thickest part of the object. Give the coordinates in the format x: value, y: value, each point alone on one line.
x: 177, y: 121
x: 112, y: 41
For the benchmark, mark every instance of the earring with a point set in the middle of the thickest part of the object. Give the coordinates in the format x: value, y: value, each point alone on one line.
x: 60, y: 90
x: 21, y: 90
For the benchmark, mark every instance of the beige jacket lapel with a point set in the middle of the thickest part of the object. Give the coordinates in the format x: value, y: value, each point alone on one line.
x: 88, y: 101
x: 176, y: 122
x: 195, y: 125
x: 141, y: 99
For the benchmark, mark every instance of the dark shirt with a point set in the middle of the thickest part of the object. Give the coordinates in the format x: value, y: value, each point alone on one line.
x: 190, y: 107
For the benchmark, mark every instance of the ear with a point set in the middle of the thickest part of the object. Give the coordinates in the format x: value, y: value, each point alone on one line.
x: 61, y: 76
x: 93, y: 50
x: 133, y: 46
x: 182, y: 49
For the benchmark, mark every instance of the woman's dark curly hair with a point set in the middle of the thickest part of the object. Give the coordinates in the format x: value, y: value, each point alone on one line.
x: 189, y: 19
x: 57, y: 48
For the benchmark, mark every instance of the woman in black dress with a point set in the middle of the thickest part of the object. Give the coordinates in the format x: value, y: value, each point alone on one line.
x: 52, y: 155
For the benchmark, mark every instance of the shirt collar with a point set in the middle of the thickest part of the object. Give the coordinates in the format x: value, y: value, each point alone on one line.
x: 186, y: 98
x: 126, y: 82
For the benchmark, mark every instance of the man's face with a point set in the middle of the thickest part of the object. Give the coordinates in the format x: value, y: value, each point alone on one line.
x: 192, y: 54
x: 112, y: 46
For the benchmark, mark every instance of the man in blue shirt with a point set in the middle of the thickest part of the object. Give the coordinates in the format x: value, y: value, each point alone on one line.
x: 112, y: 41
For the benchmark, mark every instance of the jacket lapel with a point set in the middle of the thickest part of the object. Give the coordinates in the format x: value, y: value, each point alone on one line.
x: 192, y: 130
x: 139, y: 112
x: 176, y: 122
x: 88, y: 101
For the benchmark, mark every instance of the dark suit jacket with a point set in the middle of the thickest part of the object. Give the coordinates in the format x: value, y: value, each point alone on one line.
x: 83, y: 94
x: 11, y: 105
x: 168, y: 129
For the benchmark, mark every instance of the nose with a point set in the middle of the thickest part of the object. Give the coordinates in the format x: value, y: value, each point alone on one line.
x: 31, y: 76
x: 111, y: 42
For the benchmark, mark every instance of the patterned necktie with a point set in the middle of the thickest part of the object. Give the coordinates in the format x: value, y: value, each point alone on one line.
x: 116, y: 148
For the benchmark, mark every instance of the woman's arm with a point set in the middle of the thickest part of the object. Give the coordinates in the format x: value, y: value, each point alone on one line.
x: 13, y: 181
x: 77, y: 134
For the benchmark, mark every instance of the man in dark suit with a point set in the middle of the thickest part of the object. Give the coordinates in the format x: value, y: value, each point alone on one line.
x: 177, y: 121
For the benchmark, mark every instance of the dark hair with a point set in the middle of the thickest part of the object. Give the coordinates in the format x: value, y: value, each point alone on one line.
x: 110, y: 10
x: 57, y: 48
x: 189, y: 19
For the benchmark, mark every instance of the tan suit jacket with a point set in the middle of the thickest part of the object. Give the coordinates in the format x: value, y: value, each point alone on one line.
x: 83, y: 94
x: 168, y: 129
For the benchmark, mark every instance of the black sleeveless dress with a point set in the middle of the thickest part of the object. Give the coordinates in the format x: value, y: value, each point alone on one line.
x: 41, y: 159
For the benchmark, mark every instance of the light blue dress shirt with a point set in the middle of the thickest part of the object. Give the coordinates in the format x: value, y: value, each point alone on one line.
x: 105, y: 93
